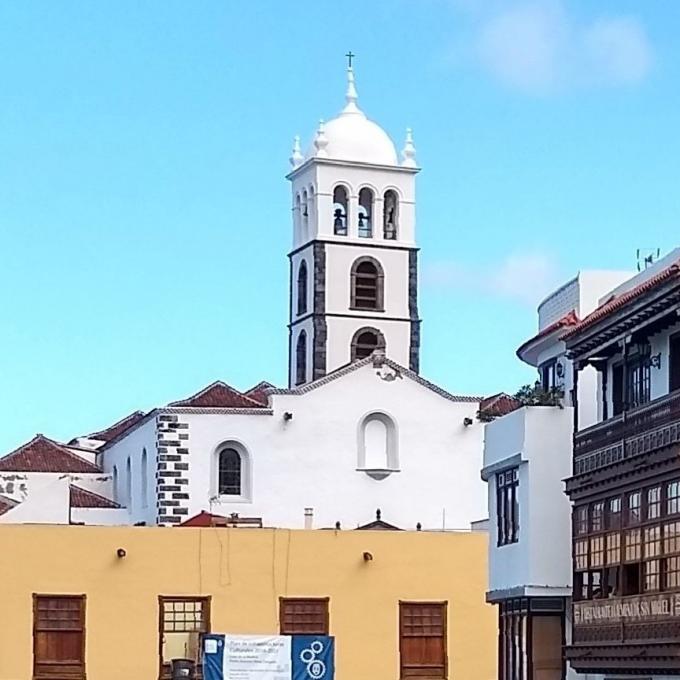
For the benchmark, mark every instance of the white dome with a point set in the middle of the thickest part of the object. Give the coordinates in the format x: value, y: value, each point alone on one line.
x: 353, y: 137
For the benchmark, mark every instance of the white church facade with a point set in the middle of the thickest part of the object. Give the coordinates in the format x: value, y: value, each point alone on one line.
x: 357, y: 428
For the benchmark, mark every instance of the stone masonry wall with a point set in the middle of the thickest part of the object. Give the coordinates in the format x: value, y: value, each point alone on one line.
x: 172, y: 476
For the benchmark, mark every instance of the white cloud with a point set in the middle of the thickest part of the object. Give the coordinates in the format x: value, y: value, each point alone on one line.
x: 525, y: 277
x: 537, y: 46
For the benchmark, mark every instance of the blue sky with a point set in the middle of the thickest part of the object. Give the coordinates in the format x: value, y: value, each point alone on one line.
x: 144, y: 214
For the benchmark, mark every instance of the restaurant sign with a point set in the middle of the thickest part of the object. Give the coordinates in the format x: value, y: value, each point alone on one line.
x: 628, y: 609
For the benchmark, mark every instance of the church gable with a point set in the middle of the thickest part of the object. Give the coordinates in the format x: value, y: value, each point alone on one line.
x: 45, y: 455
x: 387, y: 370
x: 220, y: 395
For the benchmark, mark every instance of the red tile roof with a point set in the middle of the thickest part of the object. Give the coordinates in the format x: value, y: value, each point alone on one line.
x: 6, y: 504
x: 671, y: 272
x: 81, y: 498
x: 568, y: 320
x: 207, y: 519
x: 44, y: 455
x: 118, y: 428
x: 499, y: 405
x: 258, y: 392
x: 219, y: 395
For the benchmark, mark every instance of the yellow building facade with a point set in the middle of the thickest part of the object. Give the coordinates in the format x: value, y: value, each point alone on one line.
x: 244, y: 576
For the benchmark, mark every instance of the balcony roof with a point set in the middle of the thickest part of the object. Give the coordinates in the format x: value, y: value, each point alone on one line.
x: 626, y: 313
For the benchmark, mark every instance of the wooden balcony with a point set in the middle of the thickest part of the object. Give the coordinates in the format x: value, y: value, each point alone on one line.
x: 644, y: 429
x: 639, y: 632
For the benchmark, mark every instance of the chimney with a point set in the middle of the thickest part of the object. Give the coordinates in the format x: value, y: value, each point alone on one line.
x: 309, y: 518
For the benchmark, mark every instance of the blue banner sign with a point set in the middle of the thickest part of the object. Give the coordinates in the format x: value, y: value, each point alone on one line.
x: 268, y: 657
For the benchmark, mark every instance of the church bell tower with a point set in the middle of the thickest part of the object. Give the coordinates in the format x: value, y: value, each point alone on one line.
x: 353, y: 264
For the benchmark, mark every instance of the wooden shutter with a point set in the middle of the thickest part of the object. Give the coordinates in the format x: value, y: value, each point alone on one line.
x: 59, y: 637
x: 303, y: 616
x: 422, y: 639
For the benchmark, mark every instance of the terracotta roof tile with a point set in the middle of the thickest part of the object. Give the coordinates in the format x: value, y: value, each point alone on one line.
x: 499, y: 405
x: 259, y: 392
x: 118, y: 428
x: 82, y: 498
x: 570, y: 319
x: 44, y: 455
x: 219, y: 395
x: 671, y: 272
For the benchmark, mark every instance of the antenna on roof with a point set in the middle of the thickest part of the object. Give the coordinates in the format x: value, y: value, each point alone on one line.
x: 646, y: 257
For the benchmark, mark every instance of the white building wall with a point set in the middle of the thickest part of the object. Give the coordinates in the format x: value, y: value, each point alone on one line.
x: 47, y: 501
x: 341, y: 330
x: 539, y: 439
x: 141, y: 508
x: 311, y: 460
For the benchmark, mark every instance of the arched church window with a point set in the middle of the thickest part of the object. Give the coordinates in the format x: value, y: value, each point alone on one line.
x: 229, y: 473
x: 365, y: 213
x: 340, y: 204
x: 297, y: 216
x: 366, y: 341
x: 145, y: 479
x: 378, y: 444
x: 128, y: 483
x: 116, y: 490
x: 302, y: 288
x: 301, y: 359
x: 366, y: 284
x: 305, y: 214
x: 390, y: 215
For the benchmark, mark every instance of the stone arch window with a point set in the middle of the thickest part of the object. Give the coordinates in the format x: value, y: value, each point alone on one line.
x: 378, y: 451
x: 230, y: 473
x: 366, y: 341
x: 301, y: 359
x: 302, y: 279
x: 144, y: 477
x: 365, y: 213
x: 367, y: 281
x: 128, y: 482
x: 340, y: 205
x: 390, y: 215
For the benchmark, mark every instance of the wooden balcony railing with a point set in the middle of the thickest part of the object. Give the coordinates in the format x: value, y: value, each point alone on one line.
x: 651, y: 618
x: 645, y: 428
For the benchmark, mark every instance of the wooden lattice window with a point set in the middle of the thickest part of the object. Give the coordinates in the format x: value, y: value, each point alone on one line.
x: 633, y: 545
x: 673, y: 572
x: 581, y: 554
x: 581, y: 520
x: 634, y: 508
x: 422, y: 639
x: 654, y: 502
x: 671, y: 537
x: 182, y: 620
x: 597, y: 551
x: 303, y: 616
x: 59, y: 637
x: 673, y: 498
x: 597, y: 516
x: 613, y: 548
